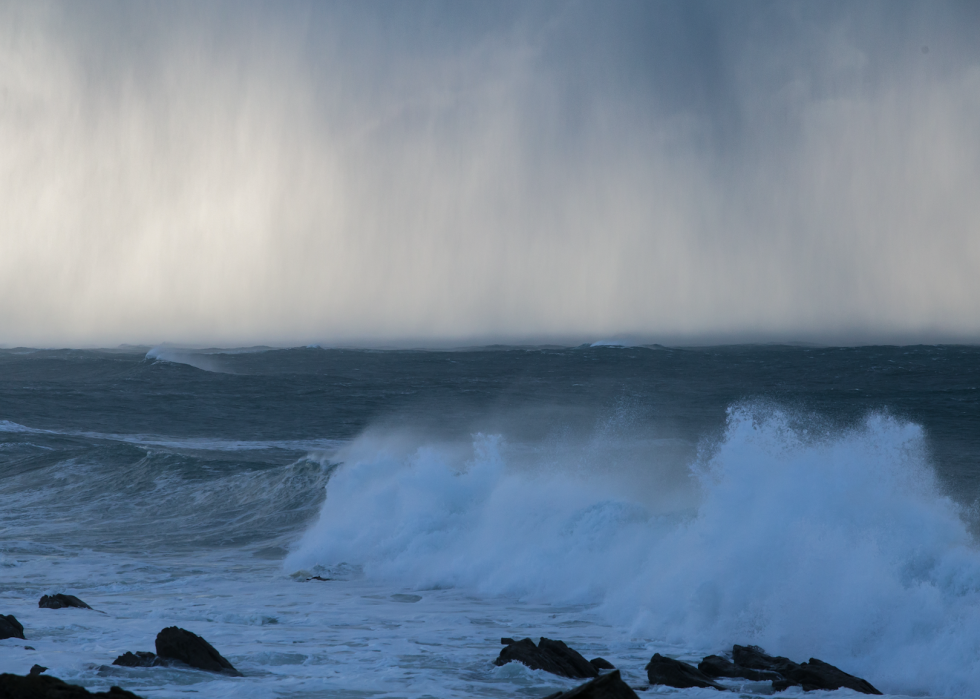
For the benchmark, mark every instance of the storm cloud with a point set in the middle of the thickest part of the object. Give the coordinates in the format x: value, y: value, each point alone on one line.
x: 445, y: 172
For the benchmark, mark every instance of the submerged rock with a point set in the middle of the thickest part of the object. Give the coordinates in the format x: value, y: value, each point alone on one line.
x: 189, y: 648
x: 10, y: 627
x: 138, y: 659
x: 675, y: 673
x: 812, y: 675
x: 551, y: 656
x: 46, y: 687
x: 61, y: 601
x: 608, y: 686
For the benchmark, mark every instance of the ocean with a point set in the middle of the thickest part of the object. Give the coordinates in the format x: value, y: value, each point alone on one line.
x: 818, y: 502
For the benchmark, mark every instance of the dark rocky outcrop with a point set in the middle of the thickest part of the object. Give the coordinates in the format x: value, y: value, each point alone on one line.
x: 138, y: 659
x: 10, y: 627
x: 718, y: 666
x: 608, y: 686
x: 189, y: 648
x: 601, y: 664
x: 675, y: 673
x: 61, y: 601
x: 37, y: 670
x: 551, y: 656
x: 47, y: 687
x: 811, y: 675
x: 834, y: 678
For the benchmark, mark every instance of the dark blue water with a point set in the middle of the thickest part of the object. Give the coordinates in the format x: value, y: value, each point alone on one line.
x: 313, y: 394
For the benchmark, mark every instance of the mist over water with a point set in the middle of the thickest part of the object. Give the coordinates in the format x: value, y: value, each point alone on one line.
x: 265, y: 173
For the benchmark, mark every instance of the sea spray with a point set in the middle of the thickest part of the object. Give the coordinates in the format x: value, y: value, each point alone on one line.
x: 809, y: 541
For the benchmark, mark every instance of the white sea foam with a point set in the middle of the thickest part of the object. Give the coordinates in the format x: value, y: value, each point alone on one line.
x: 837, y: 545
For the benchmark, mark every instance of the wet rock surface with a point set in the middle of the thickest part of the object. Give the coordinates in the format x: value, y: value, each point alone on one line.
x: 601, y: 664
x: 38, y: 686
x: 831, y: 677
x: 676, y: 673
x: 551, y: 656
x: 179, y: 644
x: 10, y: 627
x: 718, y: 666
x: 608, y: 686
x: 61, y: 601
x: 812, y: 675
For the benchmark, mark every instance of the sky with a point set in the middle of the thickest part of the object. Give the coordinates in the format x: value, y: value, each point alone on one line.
x: 432, y: 173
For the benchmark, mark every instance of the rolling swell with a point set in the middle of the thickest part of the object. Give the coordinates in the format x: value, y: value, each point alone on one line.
x: 115, y: 495
x: 809, y: 541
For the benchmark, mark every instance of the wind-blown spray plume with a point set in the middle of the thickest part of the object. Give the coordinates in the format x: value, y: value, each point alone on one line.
x: 806, y: 541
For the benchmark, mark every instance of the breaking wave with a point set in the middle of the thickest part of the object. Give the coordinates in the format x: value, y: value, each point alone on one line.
x: 809, y: 541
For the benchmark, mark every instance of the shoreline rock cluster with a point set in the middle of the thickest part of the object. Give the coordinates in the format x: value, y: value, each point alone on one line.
x: 177, y: 647
x: 747, y: 662
x: 551, y: 656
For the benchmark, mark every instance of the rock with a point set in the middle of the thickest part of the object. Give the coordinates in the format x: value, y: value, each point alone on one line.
x: 507, y: 641
x: 835, y: 678
x: 608, y: 686
x: 674, y: 673
x: 601, y: 664
x: 47, y: 687
x: 551, y: 656
x: 37, y: 669
x: 191, y: 649
x: 755, y: 658
x: 717, y: 666
x: 10, y: 627
x: 138, y: 659
x: 813, y: 675
x: 60, y: 601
